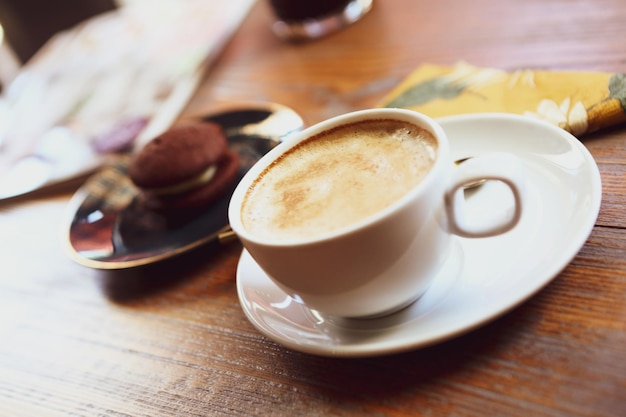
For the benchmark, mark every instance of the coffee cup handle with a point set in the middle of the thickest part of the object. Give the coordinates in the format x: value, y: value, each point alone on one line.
x: 499, y: 166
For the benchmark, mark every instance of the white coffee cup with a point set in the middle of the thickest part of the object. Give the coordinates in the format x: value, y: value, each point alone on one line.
x: 385, y: 261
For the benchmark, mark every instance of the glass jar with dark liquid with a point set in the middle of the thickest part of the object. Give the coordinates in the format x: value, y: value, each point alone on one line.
x: 301, y: 20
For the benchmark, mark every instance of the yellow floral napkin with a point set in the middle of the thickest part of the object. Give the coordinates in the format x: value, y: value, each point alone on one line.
x: 579, y: 102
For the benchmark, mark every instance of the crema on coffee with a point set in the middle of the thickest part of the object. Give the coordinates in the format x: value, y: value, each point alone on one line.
x: 337, y: 178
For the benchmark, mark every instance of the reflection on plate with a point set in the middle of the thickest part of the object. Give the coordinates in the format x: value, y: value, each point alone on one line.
x: 108, y: 230
x: 484, y: 278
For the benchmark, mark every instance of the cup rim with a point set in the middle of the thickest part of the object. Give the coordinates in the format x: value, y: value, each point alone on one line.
x: 266, y: 160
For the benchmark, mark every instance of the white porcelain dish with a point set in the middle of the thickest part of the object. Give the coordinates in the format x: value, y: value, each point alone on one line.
x: 484, y: 278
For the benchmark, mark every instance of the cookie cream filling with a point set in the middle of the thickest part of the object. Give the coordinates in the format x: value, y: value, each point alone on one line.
x: 203, y: 178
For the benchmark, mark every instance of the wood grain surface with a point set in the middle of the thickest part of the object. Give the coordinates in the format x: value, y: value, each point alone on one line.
x: 171, y: 339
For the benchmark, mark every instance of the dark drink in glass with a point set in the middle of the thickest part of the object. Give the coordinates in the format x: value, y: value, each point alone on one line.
x: 298, y: 10
x: 310, y: 19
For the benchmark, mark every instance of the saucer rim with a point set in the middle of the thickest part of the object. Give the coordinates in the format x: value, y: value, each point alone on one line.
x: 564, y: 256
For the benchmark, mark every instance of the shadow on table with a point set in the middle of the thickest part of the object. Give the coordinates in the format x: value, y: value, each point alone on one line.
x: 128, y: 285
x: 425, y: 371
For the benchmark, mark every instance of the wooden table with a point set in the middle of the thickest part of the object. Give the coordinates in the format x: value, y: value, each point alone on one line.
x: 171, y: 339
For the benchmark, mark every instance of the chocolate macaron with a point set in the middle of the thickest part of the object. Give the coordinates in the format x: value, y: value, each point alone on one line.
x: 187, y: 167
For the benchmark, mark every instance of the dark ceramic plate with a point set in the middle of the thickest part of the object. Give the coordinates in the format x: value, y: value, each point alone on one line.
x: 108, y: 230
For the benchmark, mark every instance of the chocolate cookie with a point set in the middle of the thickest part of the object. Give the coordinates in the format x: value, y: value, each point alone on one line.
x: 199, y: 196
x: 187, y: 167
x: 178, y: 155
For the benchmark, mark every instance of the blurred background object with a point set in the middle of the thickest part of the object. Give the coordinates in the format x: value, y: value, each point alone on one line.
x: 311, y: 19
x: 106, y: 83
x: 9, y: 62
x: 28, y: 24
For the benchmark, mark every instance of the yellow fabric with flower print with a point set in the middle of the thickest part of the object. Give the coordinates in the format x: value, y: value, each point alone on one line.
x: 579, y: 102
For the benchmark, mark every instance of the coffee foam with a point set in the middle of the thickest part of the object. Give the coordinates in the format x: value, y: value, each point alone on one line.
x: 337, y: 178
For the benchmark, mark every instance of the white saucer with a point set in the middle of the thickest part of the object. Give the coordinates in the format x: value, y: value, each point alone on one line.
x: 484, y: 278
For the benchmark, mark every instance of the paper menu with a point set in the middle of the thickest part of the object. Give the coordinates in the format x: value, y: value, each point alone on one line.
x: 119, y: 78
